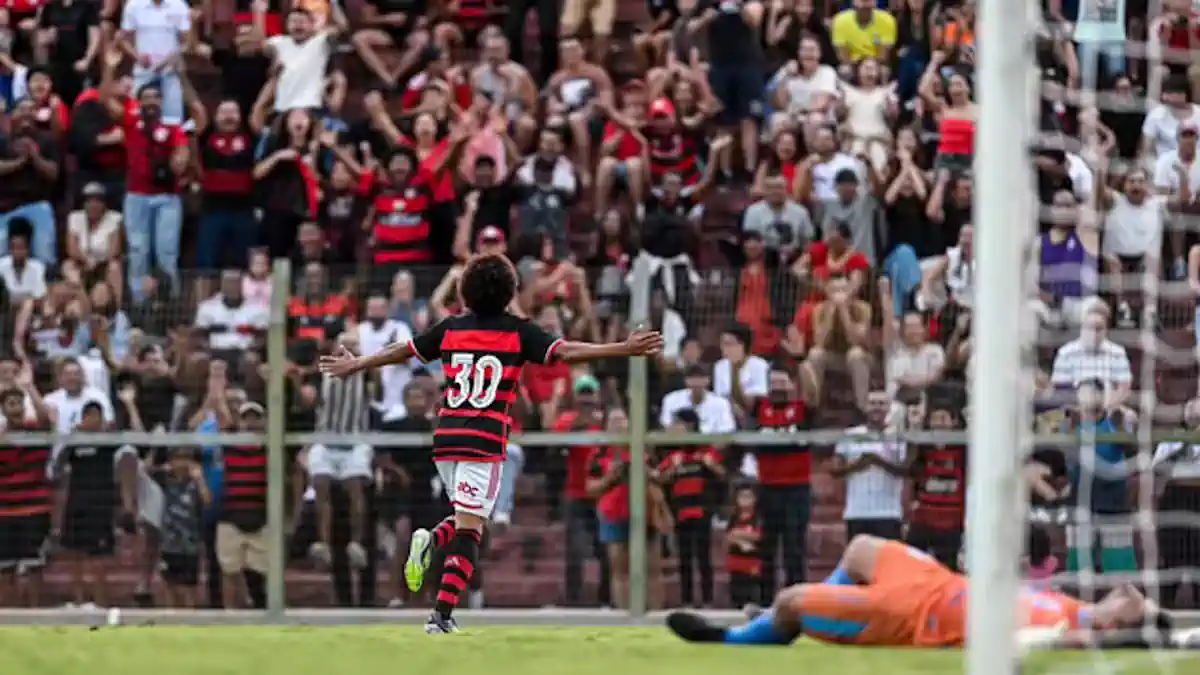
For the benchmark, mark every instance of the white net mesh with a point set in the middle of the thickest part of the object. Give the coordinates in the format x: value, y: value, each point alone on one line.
x: 1116, y: 304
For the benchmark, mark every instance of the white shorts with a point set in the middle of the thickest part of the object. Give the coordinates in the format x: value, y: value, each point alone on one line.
x: 341, y: 462
x: 149, y: 492
x: 471, y: 486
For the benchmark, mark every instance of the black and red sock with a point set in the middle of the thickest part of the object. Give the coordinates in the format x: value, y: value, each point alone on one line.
x: 457, y: 570
x: 443, y: 533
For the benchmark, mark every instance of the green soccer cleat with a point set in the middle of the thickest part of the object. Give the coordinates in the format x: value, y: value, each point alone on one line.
x: 419, y: 554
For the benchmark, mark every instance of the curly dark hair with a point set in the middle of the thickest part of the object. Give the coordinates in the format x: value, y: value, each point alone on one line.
x: 488, y: 285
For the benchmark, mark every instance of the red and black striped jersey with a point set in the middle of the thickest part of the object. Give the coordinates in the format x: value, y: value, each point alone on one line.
x: 24, y: 487
x: 940, y: 487
x: 482, y: 359
x: 245, y: 495
x: 746, y: 561
x: 690, y: 481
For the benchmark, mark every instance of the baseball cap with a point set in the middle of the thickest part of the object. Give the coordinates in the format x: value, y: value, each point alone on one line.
x: 94, y: 189
x: 492, y: 234
x: 251, y: 407
x: 586, y: 383
x: 662, y: 107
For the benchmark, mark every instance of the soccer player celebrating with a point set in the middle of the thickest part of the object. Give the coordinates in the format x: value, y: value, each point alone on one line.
x: 885, y: 593
x: 482, y: 351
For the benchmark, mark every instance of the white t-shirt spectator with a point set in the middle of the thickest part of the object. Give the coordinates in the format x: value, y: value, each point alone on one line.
x: 715, y: 412
x: 1081, y: 176
x: 302, y: 82
x: 802, y: 90
x: 873, y: 493
x: 824, y: 173
x: 755, y: 377
x: 70, y: 408
x: 93, y: 242
x: 157, y: 27
x: 394, y: 378
x: 1162, y: 127
x: 924, y: 362
x: 960, y: 276
x: 1135, y: 229
x: 29, y: 282
x: 1077, y: 362
x: 239, y: 323
x: 1166, y: 178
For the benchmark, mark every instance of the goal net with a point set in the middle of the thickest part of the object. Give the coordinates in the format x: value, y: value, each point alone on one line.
x: 1107, y: 345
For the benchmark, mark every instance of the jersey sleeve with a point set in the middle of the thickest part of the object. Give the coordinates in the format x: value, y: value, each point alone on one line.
x: 537, y: 346
x: 428, y: 344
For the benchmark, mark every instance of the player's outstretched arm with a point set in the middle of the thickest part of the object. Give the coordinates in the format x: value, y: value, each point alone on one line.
x: 343, y: 362
x: 639, y: 343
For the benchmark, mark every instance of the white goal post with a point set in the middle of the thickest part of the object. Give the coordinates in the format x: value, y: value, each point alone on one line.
x: 1004, y: 216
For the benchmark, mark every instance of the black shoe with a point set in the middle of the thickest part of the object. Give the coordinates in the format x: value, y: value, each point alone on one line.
x: 694, y: 628
x: 437, y: 625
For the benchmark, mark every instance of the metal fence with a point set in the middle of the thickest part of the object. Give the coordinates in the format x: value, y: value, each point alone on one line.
x: 642, y: 438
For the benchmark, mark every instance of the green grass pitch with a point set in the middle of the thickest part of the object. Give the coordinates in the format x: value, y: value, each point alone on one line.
x: 149, y: 650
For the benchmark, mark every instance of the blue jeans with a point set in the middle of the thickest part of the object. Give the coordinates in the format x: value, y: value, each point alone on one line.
x: 1091, y: 53
x: 903, y: 268
x: 41, y: 216
x: 225, y: 238
x: 172, y: 92
x: 514, y: 463
x: 152, y: 222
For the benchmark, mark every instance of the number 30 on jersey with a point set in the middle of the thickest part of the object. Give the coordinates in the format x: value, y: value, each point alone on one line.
x: 476, y: 381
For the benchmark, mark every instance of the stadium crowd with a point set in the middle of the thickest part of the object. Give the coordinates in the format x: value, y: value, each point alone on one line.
x: 796, y: 174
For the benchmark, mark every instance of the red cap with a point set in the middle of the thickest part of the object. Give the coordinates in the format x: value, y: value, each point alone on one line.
x: 662, y: 107
x: 491, y: 233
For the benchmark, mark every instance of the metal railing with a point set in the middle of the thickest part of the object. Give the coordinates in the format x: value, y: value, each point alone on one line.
x: 640, y: 439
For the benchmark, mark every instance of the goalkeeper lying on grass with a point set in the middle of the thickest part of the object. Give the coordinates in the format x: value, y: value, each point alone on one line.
x: 885, y: 593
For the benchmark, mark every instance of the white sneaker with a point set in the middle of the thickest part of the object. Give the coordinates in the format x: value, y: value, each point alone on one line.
x: 395, y: 603
x: 319, y: 551
x: 357, y: 555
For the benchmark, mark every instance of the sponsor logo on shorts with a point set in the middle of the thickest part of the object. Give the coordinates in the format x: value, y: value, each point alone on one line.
x: 468, y: 489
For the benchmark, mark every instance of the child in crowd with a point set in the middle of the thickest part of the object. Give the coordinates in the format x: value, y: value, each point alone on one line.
x: 743, y: 558
x: 185, y: 494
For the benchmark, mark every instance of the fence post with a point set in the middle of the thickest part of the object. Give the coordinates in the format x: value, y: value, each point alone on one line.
x: 639, y: 314
x: 281, y: 285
